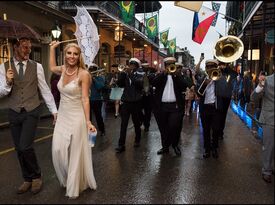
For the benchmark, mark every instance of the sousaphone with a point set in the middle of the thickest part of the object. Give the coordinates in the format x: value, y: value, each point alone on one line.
x: 228, y: 49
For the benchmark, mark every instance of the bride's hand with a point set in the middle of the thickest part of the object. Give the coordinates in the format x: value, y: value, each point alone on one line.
x: 54, y: 44
x: 91, y: 127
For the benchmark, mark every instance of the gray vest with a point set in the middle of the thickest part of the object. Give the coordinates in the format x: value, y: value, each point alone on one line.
x: 24, y: 94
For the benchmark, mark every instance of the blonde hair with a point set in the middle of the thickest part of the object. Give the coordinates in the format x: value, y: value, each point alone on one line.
x: 80, y: 62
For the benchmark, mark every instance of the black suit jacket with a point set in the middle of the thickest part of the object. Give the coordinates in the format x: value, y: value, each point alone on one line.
x: 180, y: 84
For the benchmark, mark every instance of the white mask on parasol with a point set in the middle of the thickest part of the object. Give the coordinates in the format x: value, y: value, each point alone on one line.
x: 86, y: 35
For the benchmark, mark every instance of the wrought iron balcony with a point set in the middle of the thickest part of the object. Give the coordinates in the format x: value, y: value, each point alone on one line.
x: 110, y: 7
x: 52, y: 4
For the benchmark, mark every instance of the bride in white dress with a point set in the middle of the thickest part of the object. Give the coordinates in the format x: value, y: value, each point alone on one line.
x: 71, y: 154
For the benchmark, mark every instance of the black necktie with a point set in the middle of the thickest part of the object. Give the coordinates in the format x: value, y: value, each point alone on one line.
x: 21, y: 71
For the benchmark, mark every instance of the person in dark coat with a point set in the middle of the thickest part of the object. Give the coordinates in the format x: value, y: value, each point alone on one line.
x: 132, y: 82
x: 169, y: 102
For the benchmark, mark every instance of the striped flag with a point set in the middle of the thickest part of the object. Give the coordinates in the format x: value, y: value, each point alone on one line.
x: 215, y: 7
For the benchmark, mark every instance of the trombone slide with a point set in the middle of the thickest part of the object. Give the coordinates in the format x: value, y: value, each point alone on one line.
x: 96, y: 71
x: 203, y: 87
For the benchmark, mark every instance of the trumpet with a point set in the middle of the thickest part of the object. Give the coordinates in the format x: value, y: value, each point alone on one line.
x: 98, y: 71
x: 121, y: 67
x: 171, y: 68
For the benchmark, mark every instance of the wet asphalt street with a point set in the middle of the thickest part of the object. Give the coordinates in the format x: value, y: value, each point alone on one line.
x: 139, y: 175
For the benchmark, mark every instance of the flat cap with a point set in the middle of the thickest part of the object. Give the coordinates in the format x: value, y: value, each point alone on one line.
x: 145, y: 64
x: 169, y: 60
x: 179, y: 64
x: 212, y: 61
x: 94, y: 65
x: 132, y: 60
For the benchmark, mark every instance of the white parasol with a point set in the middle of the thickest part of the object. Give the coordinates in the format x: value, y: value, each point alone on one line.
x: 86, y: 35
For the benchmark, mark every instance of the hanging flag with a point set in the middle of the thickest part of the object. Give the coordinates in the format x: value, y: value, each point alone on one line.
x: 127, y: 11
x: 172, y: 46
x: 201, y: 23
x: 215, y: 7
x: 152, y: 26
x: 190, y: 5
x: 164, y: 37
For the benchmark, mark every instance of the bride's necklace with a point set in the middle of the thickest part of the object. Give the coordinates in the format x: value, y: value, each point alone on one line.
x: 70, y: 74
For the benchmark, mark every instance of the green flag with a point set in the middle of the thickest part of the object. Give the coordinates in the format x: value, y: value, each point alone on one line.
x: 164, y: 37
x: 127, y: 11
x: 172, y: 46
x: 152, y: 26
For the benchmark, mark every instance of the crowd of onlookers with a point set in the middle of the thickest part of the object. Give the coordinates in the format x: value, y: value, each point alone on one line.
x: 242, y: 90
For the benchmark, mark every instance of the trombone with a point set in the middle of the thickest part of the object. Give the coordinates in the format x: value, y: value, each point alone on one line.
x: 97, y: 72
x: 213, y: 74
x: 121, y: 67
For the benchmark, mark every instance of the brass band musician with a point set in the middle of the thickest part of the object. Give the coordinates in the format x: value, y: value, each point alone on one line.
x: 169, y: 101
x: 210, y: 107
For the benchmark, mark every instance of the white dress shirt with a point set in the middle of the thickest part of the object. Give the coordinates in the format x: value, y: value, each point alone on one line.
x: 259, y: 89
x: 169, y: 93
x: 210, y: 93
x: 42, y: 84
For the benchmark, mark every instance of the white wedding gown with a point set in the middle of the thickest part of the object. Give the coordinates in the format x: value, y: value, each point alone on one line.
x: 71, y: 154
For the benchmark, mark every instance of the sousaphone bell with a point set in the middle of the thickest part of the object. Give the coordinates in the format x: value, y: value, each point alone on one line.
x: 228, y: 49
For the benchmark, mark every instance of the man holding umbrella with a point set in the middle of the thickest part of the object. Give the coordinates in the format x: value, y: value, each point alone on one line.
x: 24, y: 109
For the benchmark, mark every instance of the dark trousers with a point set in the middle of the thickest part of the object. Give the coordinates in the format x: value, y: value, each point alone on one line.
x: 127, y: 109
x: 158, y: 120
x: 146, y: 111
x: 170, y: 124
x: 226, y: 103
x: 96, y: 107
x: 23, y: 128
x: 211, y: 122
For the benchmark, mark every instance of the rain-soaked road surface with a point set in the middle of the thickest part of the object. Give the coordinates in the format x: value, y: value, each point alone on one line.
x: 139, y: 175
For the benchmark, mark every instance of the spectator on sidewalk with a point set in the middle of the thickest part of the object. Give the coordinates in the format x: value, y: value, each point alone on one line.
x: 96, y: 98
x: 265, y: 90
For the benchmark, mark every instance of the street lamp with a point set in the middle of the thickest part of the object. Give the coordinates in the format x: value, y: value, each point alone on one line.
x: 56, y: 31
x: 155, y: 63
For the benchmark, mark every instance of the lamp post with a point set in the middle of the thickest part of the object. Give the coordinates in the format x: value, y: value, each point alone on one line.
x: 56, y: 32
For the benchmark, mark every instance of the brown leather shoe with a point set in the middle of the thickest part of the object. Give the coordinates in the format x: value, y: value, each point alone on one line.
x: 36, y: 185
x: 266, y: 178
x: 24, y: 187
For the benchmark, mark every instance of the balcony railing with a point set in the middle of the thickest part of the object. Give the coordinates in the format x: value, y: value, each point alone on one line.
x: 111, y: 7
x: 52, y: 4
